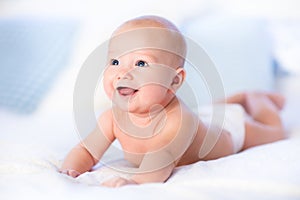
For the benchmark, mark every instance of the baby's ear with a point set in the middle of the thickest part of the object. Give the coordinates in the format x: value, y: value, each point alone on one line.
x: 178, y: 79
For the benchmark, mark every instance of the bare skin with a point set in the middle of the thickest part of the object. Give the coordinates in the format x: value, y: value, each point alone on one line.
x: 264, y: 124
x: 162, y: 133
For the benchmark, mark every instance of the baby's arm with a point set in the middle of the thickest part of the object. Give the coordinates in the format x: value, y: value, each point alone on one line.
x: 158, y: 175
x: 158, y: 165
x: 155, y: 167
x: 179, y: 132
x: 89, y: 151
x: 78, y: 161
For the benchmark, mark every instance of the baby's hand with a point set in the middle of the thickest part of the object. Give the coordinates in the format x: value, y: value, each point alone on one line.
x: 118, y: 182
x: 70, y: 172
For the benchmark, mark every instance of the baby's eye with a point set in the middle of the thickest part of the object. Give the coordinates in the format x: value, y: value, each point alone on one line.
x: 114, y: 62
x: 141, y: 63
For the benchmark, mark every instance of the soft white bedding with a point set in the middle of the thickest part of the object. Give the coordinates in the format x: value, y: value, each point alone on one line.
x: 29, y: 170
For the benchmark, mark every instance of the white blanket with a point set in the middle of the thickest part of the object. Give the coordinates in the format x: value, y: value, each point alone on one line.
x: 272, y: 171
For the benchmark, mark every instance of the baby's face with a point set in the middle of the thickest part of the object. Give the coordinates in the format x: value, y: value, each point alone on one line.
x: 141, y: 79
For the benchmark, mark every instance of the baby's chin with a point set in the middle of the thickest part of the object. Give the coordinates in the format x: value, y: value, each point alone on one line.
x: 126, y: 104
x: 136, y: 108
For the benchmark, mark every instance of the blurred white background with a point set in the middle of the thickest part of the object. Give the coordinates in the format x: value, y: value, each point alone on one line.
x: 103, y: 16
x: 99, y: 18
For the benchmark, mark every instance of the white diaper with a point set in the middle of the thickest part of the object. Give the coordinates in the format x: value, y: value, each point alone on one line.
x: 234, y: 121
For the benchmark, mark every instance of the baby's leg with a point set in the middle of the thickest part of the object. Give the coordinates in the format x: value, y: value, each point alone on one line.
x: 241, y: 98
x: 263, y: 124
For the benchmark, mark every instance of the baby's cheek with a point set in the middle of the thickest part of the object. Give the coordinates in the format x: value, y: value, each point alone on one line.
x: 155, y: 93
x: 109, y: 93
x: 108, y: 88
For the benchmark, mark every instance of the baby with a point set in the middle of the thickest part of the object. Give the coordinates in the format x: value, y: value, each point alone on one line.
x: 156, y: 130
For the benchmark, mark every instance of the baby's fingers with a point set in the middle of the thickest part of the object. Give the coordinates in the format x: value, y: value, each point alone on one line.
x: 73, y: 173
x: 70, y: 172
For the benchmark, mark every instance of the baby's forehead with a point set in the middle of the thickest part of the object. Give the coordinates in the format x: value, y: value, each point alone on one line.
x: 147, y: 39
x: 147, y: 52
x: 146, y: 22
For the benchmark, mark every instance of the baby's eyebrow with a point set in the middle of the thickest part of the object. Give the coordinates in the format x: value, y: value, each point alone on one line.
x: 111, y: 52
x: 146, y: 55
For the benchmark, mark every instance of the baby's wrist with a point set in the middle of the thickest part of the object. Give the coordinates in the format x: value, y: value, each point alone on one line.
x: 131, y: 181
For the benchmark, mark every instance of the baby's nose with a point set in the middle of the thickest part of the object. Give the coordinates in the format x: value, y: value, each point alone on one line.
x: 125, y: 74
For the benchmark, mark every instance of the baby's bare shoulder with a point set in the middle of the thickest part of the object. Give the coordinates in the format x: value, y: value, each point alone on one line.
x: 105, y: 122
x: 105, y: 116
x: 182, y: 119
x: 181, y: 113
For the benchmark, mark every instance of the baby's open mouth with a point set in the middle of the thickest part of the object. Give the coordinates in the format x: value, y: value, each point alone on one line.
x: 126, y: 91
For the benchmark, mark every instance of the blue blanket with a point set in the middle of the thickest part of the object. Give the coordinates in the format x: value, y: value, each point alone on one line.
x: 32, y: 53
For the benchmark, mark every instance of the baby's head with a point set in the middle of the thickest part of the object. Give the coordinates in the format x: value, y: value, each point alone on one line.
x: 151, y: 32
x: 146, y: 57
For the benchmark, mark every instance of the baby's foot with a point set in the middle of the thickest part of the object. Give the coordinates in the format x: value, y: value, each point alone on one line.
x: 277, y: 99
x: 255, y: 100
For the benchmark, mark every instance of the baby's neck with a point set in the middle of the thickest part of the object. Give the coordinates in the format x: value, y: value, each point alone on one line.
x: 155, y: 112
x: 145, y: 119
x: 144, y: 124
